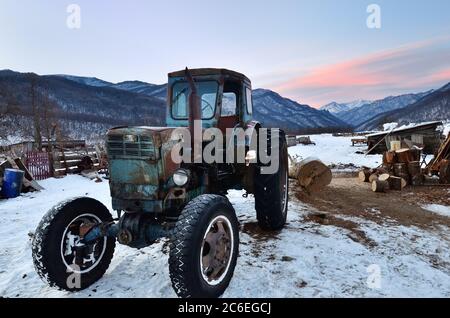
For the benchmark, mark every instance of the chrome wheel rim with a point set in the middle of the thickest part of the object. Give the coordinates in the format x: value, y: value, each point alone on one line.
x: 217, y: 250
x: 71, y: 239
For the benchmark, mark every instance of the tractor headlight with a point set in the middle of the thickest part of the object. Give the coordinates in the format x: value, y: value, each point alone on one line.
x: 181, y: 177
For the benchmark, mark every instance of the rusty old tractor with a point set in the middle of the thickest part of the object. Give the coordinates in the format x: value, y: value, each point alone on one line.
x: 157, y: 196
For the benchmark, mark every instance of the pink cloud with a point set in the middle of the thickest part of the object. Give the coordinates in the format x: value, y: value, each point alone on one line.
x: 415, y: 66
x: 443, y: 75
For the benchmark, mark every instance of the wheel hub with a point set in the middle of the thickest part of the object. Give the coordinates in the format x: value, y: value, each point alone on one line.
x: 76, y: 255
x: 216, y: 250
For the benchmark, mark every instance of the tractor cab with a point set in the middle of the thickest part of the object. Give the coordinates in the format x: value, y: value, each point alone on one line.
x: 225, y: 98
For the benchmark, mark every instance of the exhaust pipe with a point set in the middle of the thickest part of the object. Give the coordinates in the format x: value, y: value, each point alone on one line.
x: 195, y: 115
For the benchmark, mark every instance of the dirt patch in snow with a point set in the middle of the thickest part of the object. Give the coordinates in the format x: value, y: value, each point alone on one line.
x: 253, y: 229
x: 350, y: 197
x: 355, y: 233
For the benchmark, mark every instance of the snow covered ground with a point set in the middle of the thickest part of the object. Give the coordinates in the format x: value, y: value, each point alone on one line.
x: 439, y: 209
x: 306, y: 259
x: 336, y: 150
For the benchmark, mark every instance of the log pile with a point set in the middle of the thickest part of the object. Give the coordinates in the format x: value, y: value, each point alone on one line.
x: 400, y: 168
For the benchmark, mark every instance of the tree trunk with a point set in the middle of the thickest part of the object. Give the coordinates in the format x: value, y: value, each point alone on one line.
x: 380, y: 186
x: 35, y: 111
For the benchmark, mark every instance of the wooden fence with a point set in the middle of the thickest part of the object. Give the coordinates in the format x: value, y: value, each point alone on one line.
x: 39, y: 165
x: 67, y: 161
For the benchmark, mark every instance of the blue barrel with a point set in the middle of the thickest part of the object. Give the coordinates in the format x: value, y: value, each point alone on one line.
x: 12, y: 183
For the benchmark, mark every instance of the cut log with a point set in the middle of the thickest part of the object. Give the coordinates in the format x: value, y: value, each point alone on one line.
x: 364, y: 175
x: 373, y: 177
x: 381, y: 171
x: 384, y: 177
x: 313, y: 175
x: 406, y: 177
x: 389, y: 158
x: 400, y: 169
x: 414, y: 168
x: 380, y: 186
x: 405, y: 155
x: 396, y: 183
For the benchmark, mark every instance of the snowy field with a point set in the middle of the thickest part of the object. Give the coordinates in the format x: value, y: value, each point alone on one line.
x: 336, y: 150
x: 306, y: 259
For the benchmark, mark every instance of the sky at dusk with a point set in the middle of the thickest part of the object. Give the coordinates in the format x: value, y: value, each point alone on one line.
x: 314, y: 52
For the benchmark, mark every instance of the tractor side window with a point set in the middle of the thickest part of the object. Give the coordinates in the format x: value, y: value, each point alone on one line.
x: 179, y: 105
x: 229, y: 102
x: 248, y: 94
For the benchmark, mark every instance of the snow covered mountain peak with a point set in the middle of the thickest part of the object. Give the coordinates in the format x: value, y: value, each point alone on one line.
x: 335, y: 107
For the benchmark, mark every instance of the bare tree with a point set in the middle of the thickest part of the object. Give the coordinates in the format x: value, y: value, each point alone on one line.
x: 8, y: 107
x: 35, y: 109
x: 48, y: 114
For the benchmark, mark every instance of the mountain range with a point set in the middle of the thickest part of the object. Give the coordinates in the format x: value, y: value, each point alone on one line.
x: 271, y: 109
x: 407, y: 108
x: 337, y: 108
x: 430, y: 107
x: 86, y: 107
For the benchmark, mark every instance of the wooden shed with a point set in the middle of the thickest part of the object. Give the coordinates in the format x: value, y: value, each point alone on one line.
x: 425, y: 135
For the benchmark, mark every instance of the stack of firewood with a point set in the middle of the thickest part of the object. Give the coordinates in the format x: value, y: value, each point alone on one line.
x: 400, y: 168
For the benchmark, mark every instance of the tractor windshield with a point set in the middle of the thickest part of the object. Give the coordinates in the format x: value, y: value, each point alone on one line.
x: 207, y: 90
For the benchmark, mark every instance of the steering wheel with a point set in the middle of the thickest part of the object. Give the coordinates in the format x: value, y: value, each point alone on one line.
x: 208, y: 105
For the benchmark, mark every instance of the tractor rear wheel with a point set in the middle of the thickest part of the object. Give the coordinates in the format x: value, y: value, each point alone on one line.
x: 204, y: 247
x: 271, y: 189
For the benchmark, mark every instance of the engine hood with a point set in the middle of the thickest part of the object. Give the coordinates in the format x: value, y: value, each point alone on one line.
x: 158, y: 135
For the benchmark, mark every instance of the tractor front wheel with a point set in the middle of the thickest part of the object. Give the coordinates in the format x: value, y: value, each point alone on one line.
x: 204, y: 247
x: 60, y: 257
